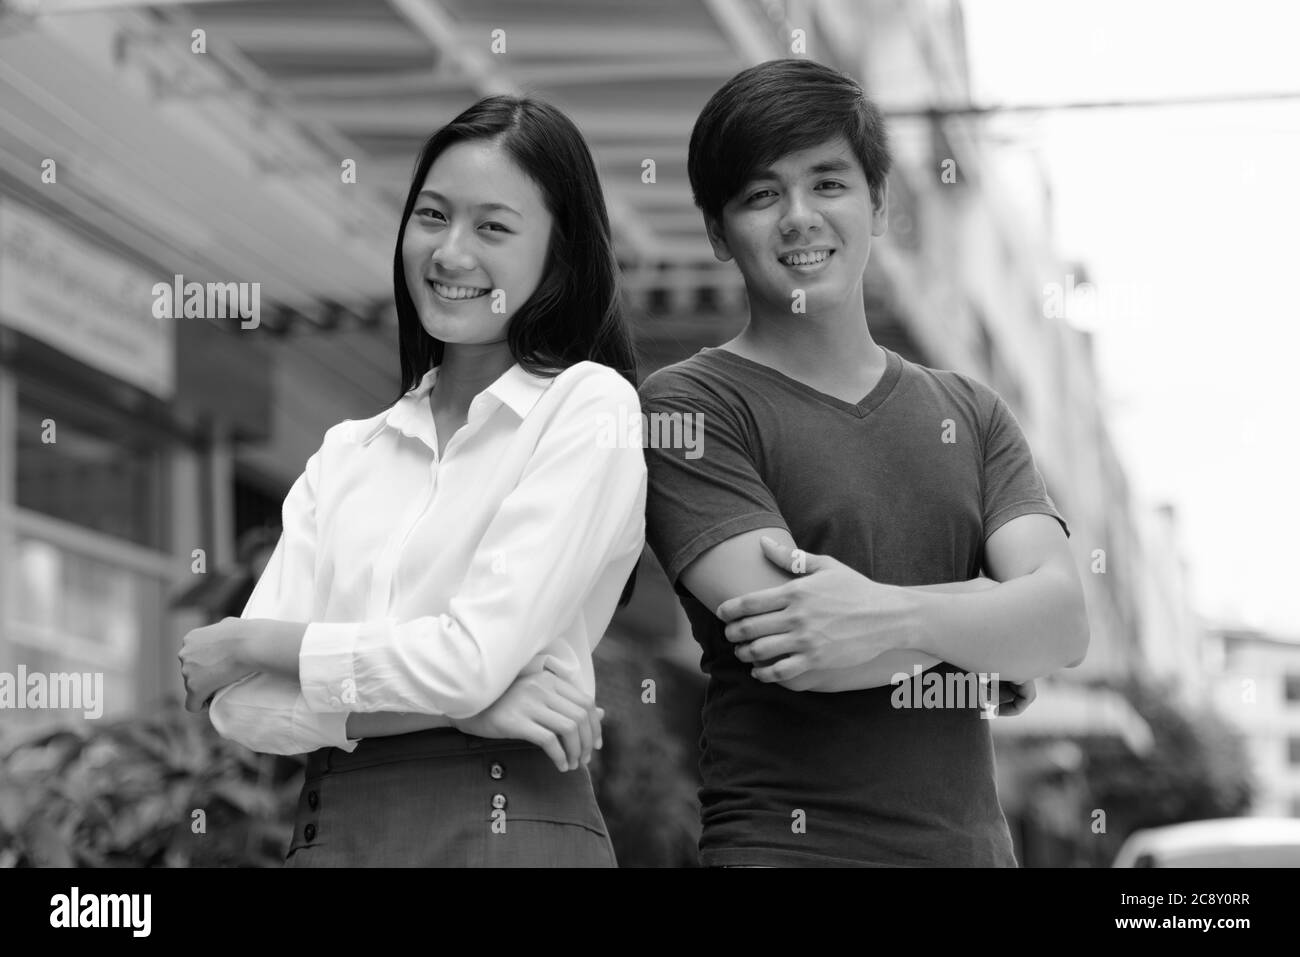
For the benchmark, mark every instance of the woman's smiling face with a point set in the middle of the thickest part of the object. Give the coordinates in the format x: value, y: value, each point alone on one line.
x: 475, y: 246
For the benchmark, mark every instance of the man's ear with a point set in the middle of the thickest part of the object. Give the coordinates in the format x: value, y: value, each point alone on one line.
x: 880, y: 211
x: 717, y: 239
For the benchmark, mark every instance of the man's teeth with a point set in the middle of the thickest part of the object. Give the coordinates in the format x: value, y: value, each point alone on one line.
x: 805, y: 259
x: 458, y: 292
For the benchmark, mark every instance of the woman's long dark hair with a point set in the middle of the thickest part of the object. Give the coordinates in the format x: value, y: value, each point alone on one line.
x: 576, y: 312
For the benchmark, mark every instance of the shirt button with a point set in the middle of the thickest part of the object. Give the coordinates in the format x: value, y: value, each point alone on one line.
x: 309, y: 833
x: 497, y: 771
x: 312, y: 800
x: 499, y: 801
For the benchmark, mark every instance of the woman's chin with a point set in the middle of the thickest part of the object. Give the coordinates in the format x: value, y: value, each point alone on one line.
x: 442, y: 327
x: 461, y: 333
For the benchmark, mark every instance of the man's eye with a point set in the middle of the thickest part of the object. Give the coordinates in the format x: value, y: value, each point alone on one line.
x: 831, y: 182
x: 760, y: 194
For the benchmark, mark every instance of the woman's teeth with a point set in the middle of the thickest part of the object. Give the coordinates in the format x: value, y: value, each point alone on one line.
x: 457, y: 292
x: 806, y: 259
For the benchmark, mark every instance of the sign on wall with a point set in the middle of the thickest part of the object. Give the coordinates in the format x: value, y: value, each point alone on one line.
x: 88, y: 303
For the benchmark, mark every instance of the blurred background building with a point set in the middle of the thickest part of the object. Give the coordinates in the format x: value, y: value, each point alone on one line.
x: 1257, y: 682
x: 212, y: 140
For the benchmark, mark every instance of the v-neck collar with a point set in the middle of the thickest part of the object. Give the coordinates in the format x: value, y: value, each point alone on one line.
x: 862, y: 408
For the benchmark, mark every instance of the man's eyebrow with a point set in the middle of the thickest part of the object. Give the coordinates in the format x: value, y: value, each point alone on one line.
x: 490, y: 207
x: 836, y: 165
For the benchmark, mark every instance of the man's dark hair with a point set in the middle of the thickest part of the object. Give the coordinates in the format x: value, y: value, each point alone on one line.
x: 776, y: 108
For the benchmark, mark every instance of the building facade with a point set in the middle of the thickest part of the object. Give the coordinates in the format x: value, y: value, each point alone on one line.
x: 1254, y: 678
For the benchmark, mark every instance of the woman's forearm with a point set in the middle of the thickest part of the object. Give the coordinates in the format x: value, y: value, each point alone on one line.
x: 271, y: 646
x: 383, y: 724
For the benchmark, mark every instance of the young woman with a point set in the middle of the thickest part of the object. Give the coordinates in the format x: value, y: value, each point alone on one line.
x: 426, y: 623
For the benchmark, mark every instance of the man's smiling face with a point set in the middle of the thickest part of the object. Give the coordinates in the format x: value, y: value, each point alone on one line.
x: 805, y: 222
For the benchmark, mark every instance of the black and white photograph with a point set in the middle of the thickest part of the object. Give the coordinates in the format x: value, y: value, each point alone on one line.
x: 693, y: 434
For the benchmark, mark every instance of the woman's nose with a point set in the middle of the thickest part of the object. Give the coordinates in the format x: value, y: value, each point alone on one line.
x: 451, y: 252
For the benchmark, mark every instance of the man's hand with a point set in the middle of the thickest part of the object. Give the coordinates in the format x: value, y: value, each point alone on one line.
x: 548, y: 711
x: 829, y: 618
x: 212, y: 657
x: 1015, y: 697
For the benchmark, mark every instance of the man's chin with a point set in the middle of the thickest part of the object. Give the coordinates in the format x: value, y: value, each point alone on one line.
x: 802, y: 302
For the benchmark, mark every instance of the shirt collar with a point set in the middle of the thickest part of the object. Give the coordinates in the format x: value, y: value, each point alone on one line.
x: 515, y: 388
x: 519, y: 389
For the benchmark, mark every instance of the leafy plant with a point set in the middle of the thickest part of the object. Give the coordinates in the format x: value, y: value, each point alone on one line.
x: 126, y: 793
x: 646, y: 776
x: 165, y: 790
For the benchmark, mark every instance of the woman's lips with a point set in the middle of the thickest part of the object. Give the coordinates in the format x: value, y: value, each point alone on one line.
x: 455, y: 293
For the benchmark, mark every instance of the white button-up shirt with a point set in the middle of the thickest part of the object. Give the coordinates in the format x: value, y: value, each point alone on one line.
x: 430, y: 585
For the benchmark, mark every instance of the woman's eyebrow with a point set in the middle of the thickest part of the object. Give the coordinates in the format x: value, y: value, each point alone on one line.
x: 490, y: 207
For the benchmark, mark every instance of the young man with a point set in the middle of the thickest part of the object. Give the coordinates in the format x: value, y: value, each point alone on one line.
x: 902, y: 483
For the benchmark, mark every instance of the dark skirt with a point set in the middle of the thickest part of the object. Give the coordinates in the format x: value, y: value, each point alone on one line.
x: 442, y: 798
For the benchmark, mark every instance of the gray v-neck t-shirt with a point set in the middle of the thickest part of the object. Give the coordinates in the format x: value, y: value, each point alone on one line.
x: 905, y: 487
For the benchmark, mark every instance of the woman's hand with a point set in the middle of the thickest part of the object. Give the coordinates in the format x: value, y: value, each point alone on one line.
x: 548, y: 711
x: 211, y: 657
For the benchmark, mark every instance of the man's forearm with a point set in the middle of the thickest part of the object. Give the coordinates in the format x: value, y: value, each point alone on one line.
x: 1022, y: 629
x: 880, y: 671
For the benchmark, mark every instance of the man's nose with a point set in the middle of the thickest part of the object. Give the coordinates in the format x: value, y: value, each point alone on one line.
x: 800, y: 215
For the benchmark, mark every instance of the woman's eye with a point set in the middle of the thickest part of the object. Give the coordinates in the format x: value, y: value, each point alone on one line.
x: 495, y: 227
x: 429, y: 210
x: 760, y: 194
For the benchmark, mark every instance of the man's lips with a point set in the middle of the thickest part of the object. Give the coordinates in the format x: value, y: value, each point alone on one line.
x: 806, y: 260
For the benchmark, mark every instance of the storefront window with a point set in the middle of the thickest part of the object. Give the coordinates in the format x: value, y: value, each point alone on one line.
x: 77, y: 614
x: 85, y: 571
x: 95, y: 470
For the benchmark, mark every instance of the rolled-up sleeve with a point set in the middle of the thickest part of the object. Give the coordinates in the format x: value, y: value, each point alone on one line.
x: 268, y: 713
x: 578, y: 508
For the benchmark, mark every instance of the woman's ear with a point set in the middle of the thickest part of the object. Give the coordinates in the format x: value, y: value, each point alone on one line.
x: 717, y: 238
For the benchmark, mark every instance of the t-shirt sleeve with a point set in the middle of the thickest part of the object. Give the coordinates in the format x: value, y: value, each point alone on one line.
x: 1012, y: 484
x: 704, y: 489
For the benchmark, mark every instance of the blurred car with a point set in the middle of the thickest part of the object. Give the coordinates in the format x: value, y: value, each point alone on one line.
x: 1221, y: 842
